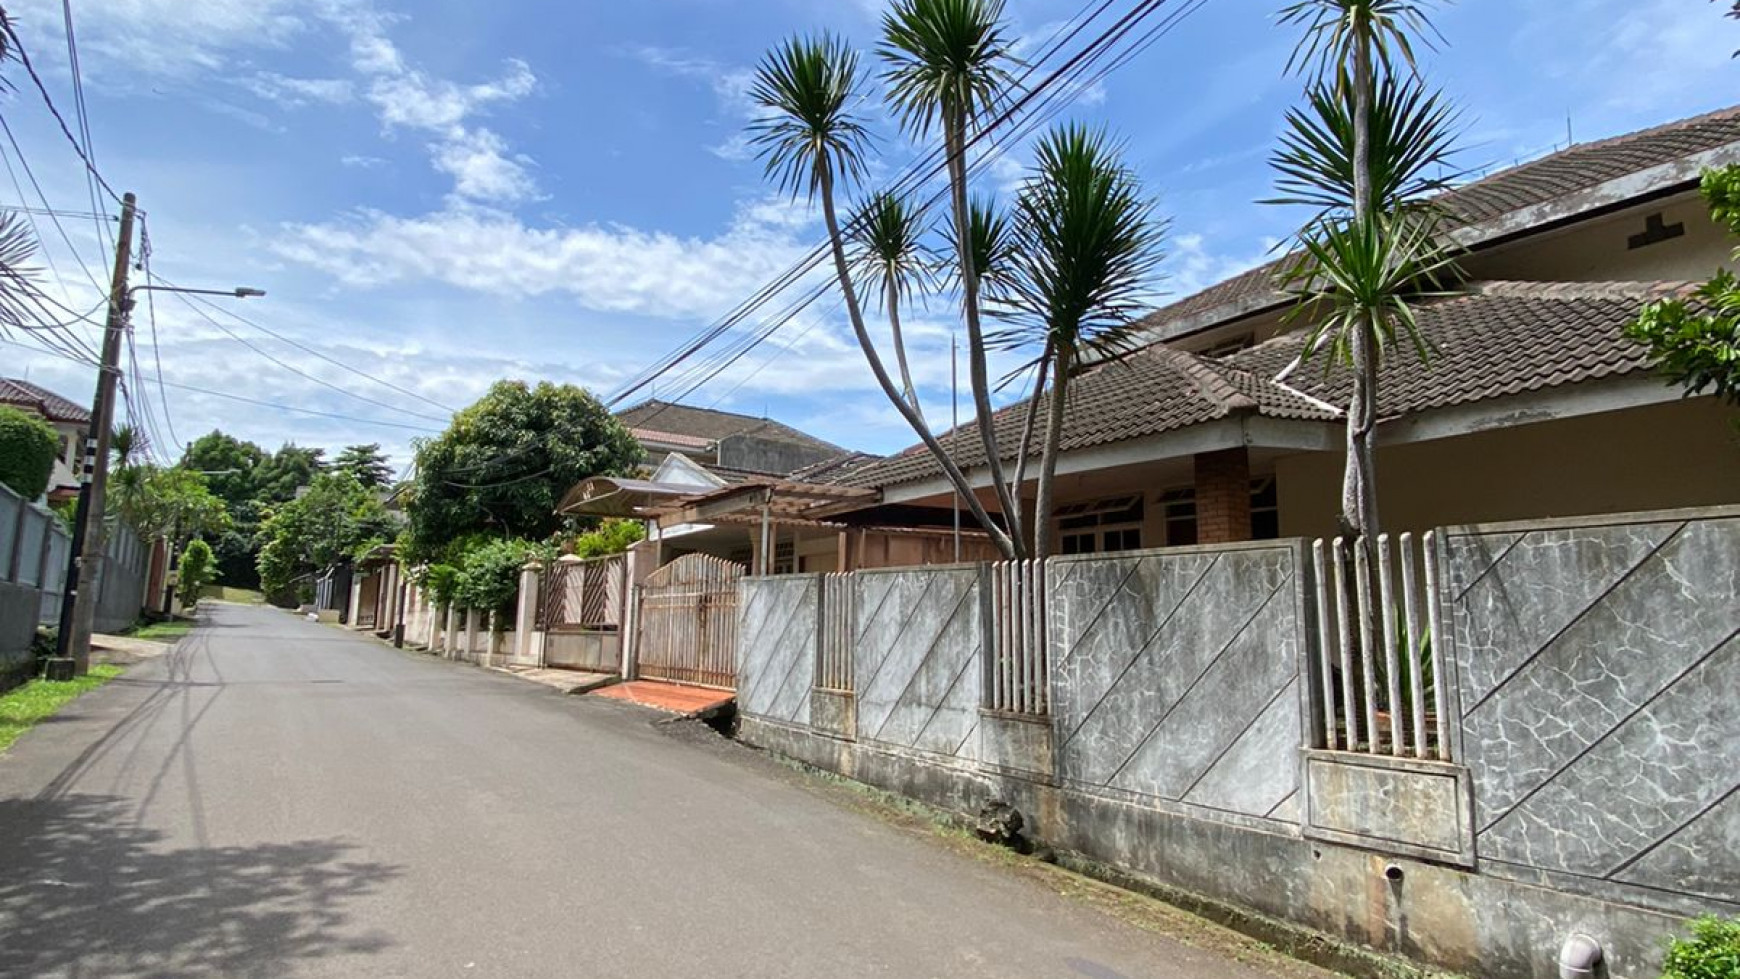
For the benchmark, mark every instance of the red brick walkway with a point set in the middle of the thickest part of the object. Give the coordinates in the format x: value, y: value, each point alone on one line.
x: 674, y: 697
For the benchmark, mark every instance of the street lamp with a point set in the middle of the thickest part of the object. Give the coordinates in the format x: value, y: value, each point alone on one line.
x: 239, y: 292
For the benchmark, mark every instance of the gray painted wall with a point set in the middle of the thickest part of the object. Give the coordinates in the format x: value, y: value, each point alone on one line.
x: 776, y: 643
x: 1598, y: 670
x: 918, y: 668
x: 121, y: 582
x: 1175, y: 675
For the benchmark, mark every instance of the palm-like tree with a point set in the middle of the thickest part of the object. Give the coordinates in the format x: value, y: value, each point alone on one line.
x: 1089, y: 248
x: 809, y: 140
x: 888, y: 234
x: 1361, y: 153
x: 945, y: 63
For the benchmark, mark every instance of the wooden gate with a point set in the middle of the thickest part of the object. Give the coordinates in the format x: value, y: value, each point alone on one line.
x: 687, y: 622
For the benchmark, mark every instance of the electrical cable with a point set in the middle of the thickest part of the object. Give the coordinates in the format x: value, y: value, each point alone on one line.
x: 24, y: 58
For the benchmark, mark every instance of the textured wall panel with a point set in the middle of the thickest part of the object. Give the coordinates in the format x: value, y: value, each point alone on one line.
x: 1598, y: 668
x: 776, y: 646
x: 918, y: 664
x: 1175, y: 675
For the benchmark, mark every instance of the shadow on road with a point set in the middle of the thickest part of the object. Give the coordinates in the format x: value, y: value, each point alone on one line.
x: 86, y: 892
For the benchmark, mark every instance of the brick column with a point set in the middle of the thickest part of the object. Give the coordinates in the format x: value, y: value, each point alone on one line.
x: 1223, y: 496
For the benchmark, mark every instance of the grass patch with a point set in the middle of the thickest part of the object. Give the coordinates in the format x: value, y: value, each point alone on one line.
x: 25, y: 706
x: 224, y: 593
x: 166, y: 631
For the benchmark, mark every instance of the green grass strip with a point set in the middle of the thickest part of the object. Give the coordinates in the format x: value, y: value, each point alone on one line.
x: 30, y: 703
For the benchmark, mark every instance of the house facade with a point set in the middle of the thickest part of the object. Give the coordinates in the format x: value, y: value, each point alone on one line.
x: 71, y: 423
x: 1531, y: 404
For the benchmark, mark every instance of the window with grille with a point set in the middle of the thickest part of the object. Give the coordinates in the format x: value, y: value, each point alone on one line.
x: 1100, y: 526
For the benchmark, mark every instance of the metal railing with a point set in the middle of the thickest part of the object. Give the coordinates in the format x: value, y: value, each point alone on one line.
x: 1020, y: 674
x: 834, y: 663
x: 585, y: 594
x: 1379, y: 668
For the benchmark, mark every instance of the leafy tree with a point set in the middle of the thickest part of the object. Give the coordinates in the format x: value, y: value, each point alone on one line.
x: 611, y: 537
x: 1360, y: 153
x: 1088, y: 247
x: 129, y: 446
x: 292, y: 467
x: 229, y: 465
x: 1696, y: 342
x: 504, y: 463
x: 28, y: 446
x: 319, y: 528
x: 195, y: 572
x: 170, y: 503
x: 810, y: 140
x: 443, y: 583
x: 489, y: 579
x: 367, y: 463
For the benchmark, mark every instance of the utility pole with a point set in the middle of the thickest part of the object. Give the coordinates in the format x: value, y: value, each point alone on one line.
x: 78, y: 604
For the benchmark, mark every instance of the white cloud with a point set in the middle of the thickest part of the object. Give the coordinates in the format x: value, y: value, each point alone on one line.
x: 297, y: 92
x: 362, y: 162
x: 1191, y: 266
x: 607, y: 268
x: 121, y: 39
x: 477, y: 161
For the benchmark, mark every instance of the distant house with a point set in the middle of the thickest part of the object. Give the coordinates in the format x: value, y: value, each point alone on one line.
x: 1531, y: 405
x: 726, y: 443
x: 70, y: 422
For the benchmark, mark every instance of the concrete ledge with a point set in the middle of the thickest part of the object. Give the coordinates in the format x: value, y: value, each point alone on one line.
x: 1403, y: 806
x: 834, y: 711
x: 1443, y: 915
x: 1017, y: 742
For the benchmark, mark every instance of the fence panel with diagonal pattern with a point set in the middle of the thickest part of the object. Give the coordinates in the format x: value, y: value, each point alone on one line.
x: 918, y: 666
x: 1177, y: 675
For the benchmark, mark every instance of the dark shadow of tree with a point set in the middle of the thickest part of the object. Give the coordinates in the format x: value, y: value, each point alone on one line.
x: 84, y: 892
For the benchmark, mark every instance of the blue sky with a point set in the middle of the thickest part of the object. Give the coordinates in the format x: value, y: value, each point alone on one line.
x: 445, y: 193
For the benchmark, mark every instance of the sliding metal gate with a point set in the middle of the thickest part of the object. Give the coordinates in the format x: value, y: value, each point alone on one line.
x: 687, y: 628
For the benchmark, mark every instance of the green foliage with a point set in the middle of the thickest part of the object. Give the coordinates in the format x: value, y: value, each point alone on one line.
x: 1696, y: 341
x: 944, y: 60
x: 490, y: 577
x: 230, y: 467
x: 170, y: 503
x: 367, y: 463
x: 612, y: 537
x: 323, y: 526
x: 505, y: 462
x: 37, y: 700
x: 443, y: 583
x: 292, y: 467
x: 28, y: 447
x: 195, y: 571
x: 67, y: 510
x: 1713, y: 951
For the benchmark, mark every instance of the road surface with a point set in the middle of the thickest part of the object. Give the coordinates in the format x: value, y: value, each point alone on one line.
x: 280, y: 798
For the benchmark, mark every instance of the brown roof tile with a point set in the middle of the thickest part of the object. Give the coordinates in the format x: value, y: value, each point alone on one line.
x: 711, y: 424
x: 1550, y: 178
x: 21, y: 393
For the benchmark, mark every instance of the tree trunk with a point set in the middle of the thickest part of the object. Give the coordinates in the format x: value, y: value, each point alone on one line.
x: 899, y: 343
x: 1042, y: 535
x: 1359, y: 483
x: 1025, y: 451
x: 1004, y: 543
x: 954, y: 137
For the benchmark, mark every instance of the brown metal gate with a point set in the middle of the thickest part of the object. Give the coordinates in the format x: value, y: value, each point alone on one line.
x: 687, y: 622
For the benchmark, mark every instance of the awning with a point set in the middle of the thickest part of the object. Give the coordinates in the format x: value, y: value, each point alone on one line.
x: 783, y: 502
x: 611, y: 496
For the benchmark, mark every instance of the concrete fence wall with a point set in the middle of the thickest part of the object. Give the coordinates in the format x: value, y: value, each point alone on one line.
x: 121, y: 580
x: 1591, y: 676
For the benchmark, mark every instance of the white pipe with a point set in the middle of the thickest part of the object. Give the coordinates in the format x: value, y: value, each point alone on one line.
x: 1579, y: 957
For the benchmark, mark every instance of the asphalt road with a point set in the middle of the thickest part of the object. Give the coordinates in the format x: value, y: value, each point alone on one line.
x: 279, y: 798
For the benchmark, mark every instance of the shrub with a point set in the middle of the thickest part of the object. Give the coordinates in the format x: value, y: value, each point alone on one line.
x: 443, y: 582
x: 1713, y: 951
x: 28, y: 446
x: 612, y: 537
x: 490, y: 577
x: 196, y: 571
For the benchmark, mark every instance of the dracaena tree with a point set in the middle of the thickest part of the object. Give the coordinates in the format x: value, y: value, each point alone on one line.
x: 946, y: 66
x: 1363, y: 153
x: 1087, y: 248
x: 891, y: 258
x: 811, y: 142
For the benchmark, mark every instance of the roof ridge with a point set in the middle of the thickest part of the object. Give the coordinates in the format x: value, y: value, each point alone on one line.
x: 1207, y: 379
x: 1602, y: 289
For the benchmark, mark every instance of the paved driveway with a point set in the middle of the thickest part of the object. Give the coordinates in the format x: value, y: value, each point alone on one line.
x: 281, y: 798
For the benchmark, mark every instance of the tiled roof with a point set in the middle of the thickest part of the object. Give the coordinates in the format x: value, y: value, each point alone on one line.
x: 711, y: 425
x: 1497, y: 339
x: 835, y: 469
x: 21, y: 393
x: 669, y: 438
x: 1543, y: 181
x: 1153, y: 390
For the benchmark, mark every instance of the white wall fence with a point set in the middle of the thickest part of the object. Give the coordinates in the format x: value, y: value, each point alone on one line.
x: 1377, y: 664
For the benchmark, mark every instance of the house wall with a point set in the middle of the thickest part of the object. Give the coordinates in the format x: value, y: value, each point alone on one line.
x: 1599, y: 250
x: 1678, y: 454
x: 1601, y: 783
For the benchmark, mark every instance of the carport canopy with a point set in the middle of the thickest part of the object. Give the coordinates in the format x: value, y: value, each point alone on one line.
x: 615, y: 496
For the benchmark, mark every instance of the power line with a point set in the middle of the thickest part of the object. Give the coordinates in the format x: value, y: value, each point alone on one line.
x: 151, y: 313
x: 237, y: 397
x: 49, y: 209
x: 296, y: 370
x: 48, y: 100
